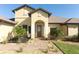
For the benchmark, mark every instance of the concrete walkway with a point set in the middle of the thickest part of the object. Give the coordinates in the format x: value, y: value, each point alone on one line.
x: 73, y: 43
x: 35, y: 46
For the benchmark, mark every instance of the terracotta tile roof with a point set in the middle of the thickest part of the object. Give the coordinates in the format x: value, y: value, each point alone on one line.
x: 3, y: 19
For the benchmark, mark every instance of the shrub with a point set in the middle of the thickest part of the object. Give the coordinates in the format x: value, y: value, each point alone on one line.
x: 55, y: 33
x: 19, y: 33
x: 72, y: 38
x: 14, y: 40
x: 78, y: 35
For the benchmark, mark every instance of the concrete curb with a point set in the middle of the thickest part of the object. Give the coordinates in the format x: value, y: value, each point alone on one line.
x: 58, y: 47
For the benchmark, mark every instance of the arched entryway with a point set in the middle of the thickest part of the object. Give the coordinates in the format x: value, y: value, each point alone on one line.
x: 39, y: 28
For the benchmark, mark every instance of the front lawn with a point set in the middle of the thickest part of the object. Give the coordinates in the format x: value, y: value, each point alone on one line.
x: 67, y: 48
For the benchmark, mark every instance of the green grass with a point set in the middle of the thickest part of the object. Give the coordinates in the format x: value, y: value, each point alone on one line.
x: 68, y: 48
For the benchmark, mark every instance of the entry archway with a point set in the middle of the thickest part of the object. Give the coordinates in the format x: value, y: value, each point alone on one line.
x: 39, y: 28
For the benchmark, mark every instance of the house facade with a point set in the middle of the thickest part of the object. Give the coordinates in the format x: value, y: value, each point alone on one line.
x: 39, y: 22
x: 36, y: 20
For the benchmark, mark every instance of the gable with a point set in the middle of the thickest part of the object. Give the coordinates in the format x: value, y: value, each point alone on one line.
x: 40, y: 14
x: 40, y: 10
x: 23, y: 6
x: 23, y: 12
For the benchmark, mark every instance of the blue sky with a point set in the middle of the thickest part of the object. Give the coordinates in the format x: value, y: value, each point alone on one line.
x: 63, y: 10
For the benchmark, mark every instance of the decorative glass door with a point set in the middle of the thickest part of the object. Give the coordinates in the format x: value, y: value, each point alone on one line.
x: 39, y: 30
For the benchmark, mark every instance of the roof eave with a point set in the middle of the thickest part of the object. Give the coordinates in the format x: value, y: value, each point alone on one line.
x: 25, y: 5
x: 39, y: 9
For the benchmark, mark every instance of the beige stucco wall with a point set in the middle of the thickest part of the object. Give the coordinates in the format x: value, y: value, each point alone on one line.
x: 23, y: 12
x: 72, y: 30
x: 22, y: 17
x: 5, y: 30
x: 23, y: 21
x: 53, y: 25
x: 39, y: 15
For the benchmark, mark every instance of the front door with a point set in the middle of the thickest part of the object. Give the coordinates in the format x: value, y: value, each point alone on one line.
x: 39, y: 30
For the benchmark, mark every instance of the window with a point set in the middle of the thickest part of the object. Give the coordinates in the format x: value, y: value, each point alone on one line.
x: 25, y: 26
x: 29, y: 29
x: 25, y: 13
x: 39, y: 15
x: 52, y: 31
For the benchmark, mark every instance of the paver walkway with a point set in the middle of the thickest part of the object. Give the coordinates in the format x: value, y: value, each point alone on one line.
x: 35, y: 46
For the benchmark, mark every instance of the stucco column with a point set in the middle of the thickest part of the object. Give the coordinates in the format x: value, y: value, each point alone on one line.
x: 32, y: 30
x: 46, y: 30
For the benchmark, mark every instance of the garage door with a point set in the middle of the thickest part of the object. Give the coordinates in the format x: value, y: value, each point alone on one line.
x: 72, y: 30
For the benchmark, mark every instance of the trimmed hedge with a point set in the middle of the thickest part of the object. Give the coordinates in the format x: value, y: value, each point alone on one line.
x: 72, y: 38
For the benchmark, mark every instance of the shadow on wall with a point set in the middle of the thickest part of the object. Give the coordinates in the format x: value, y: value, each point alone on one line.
x: 24, y: 22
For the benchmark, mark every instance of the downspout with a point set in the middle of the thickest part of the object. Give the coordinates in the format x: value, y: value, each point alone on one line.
x: 67, y: 29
